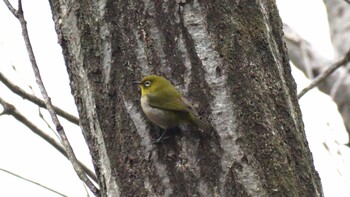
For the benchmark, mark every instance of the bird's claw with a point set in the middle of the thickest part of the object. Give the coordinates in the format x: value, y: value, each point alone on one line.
x: 160, y: 139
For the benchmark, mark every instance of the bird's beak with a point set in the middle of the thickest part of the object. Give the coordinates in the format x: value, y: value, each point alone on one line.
x: 136, y: 82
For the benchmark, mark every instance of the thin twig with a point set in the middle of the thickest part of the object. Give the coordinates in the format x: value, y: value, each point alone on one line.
x: 47, y: 123
x: 325, y: 74
x: 9, y: 83
x: 81, y: 174
x: 347, y: 1
x: 9, y: 109
x: 17, y: 90
x: 35, y: 183
x: 12, y: 10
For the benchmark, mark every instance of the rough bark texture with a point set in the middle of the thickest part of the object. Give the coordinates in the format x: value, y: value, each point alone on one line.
x: 307, y: 59
x: 231, y: 64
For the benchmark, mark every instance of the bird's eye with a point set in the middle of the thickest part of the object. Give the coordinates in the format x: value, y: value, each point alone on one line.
x: 147, y: 83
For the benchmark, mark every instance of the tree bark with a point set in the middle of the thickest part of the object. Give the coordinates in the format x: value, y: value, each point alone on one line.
x: 227, y: 58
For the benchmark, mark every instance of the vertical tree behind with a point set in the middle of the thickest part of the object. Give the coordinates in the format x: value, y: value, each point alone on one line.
x: 230, y: 61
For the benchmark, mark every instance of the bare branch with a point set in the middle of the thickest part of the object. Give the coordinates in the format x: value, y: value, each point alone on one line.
x: 17, y: 90
x: 325, y: 74
x: 49, y: 105
x: 347, y: 1
x: 9, y: 6
x: 36, y: 183
x: 11, y: 110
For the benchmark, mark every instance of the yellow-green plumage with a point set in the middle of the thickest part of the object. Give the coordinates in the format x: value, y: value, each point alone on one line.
x: 165, y: 106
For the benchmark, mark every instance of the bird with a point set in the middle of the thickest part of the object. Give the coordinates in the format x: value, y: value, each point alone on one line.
x: 164, y: 105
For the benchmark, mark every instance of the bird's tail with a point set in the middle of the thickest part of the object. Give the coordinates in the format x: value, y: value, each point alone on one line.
x: 201, y: 123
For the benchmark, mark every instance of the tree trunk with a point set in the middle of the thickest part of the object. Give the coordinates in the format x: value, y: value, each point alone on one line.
x: 228, y: 58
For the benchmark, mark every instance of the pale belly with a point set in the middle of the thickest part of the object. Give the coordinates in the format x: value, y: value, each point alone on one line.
x: 163, y: 118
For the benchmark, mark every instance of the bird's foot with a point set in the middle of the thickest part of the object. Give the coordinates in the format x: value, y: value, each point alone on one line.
x: 161, y: 138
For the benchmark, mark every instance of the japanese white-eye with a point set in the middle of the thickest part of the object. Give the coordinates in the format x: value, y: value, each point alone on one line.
x: 165, y: 106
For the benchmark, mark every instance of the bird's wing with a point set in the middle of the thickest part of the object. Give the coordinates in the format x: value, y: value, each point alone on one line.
x: 189, y: 106
x: 177, y: 103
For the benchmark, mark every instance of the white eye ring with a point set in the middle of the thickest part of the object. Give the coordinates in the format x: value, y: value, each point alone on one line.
x: 147, y: 83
